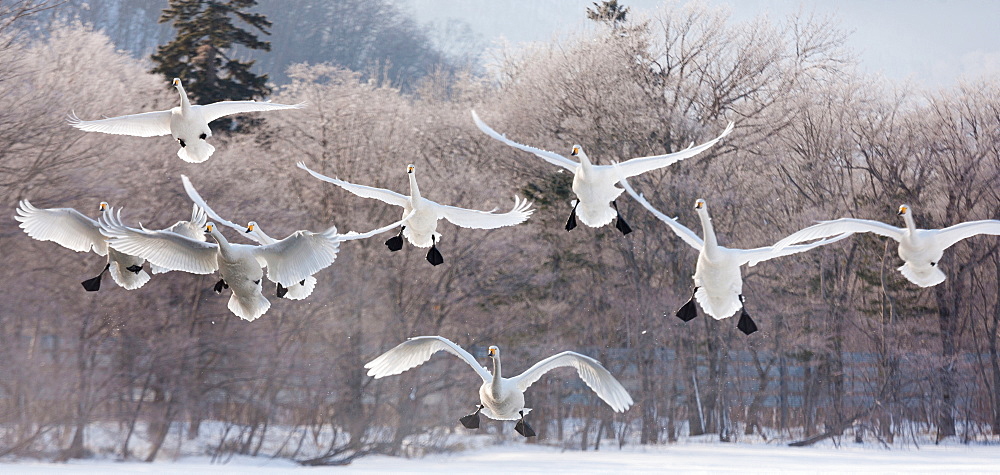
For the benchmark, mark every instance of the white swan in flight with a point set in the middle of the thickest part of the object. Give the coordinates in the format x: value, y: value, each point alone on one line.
x: 187, y: 123
x: 501, y: 398
x: 288, y: 261
x: 73, y: 230
x: 421, y: 227
x: 254, y: 232
x: 594, y: 185
x: 920, y: 249
x: 718, y: 281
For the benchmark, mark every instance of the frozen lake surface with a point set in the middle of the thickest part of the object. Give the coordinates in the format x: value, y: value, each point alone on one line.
x: 684, y: 457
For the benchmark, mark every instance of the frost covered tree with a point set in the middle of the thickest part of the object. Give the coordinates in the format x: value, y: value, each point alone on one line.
x: 202, y: 53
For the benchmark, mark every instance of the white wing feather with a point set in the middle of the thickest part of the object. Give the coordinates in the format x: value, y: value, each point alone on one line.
x: 64, y: 226
x: 638, y: 166
x: 590, y: 370
x: 679, y: 229
x: 752, y: 257
x: 299, y: 255
x: 146, y: 124
x: 224, y: 108
x: 469, y: 218
x: 200, y: 202
x: 551, y: 157
x: 352, y: 235
x: 162, y: 248
x: 380, y: 194
x: 825, y: 229
x: 947, y: 237
x: 414, y: 352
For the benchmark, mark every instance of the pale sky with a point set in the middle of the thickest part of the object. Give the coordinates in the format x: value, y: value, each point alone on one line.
x: 930, y: 42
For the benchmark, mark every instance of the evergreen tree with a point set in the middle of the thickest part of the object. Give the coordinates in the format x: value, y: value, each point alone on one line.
x: 608, y: 11
x: 199, y: 55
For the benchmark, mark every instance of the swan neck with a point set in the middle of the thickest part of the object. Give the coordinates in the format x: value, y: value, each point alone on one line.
x: 185, y: 102
x: 708, y: 232
x: 910, y: 223
x: 219, y: 238
x: 414, y: 189
x: 495, y: 385
x: 585, y: 165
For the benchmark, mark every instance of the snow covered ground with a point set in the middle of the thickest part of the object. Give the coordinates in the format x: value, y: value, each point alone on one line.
x: 692, y: 457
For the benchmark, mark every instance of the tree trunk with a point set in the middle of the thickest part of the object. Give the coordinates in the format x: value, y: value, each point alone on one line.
x: 946, y: 320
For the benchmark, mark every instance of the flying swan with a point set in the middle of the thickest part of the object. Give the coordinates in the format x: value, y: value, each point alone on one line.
x: 288, y: 261
x: 594, y: 185
x: 73, y: 230
x: 920, y: 249
x: 420, y: 228
x: 187, y: 123
x: 254, y: 232
x: 501, y: 398
x: 718, y: 282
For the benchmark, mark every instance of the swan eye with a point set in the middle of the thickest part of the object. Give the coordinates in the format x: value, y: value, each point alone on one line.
x: 181, y: 141
x: 203, y: 136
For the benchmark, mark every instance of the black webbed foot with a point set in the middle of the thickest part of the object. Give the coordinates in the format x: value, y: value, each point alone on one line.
x: 471, y: 421
x: 688, y: 311
x: 572, y: 218
x: 134, y: 269
x: 281, y: 291
x: 523, y: 428
x: 93, y: 285
x: 395, y: 243
x: 221, y: 284
x: 302, y: 282
x: 434, y: 256
x: 746, y: 324
x: 257, y: 282
x: 620, y: 223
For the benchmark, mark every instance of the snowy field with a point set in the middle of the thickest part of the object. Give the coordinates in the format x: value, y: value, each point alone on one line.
x: 686, y: 457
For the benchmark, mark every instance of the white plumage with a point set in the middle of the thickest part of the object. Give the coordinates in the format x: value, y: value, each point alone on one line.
x: 187, y: 123
x: 718, y: 280
x: 502, y: 398
x: 594, y: 185
x: 920, y: 249
x: 421, y: 215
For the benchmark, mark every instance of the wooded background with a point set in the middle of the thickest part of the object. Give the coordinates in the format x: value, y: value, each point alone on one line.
x: 847, y: 348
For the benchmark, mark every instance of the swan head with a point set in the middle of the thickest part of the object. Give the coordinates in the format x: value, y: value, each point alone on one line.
x: 903, y: 210
x: 576, y: 150
x: 104, y: 206
x: 209, y: 227
x: 410, y: 168
x: 493, y: 352
x: 700, y: 204
x: 250, y: 226
x: 177, y: 83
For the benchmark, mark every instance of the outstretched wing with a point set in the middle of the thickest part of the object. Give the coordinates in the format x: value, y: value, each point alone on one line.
x: 825, y: 229
x: 65, y: 226
x: 299, y: 255
x: 470, y: 218
x: 551, y: 157
x: 380, y: 194
x: 679, y: 229
x: 590, y: 370
x: 638, y: 166
x: 947, y: 237
x: 224, y: 108
x: 146, y: 124
x: 162, y: 248
x: 414, y: 352
x: 752, y: 257
x: 352, y: 235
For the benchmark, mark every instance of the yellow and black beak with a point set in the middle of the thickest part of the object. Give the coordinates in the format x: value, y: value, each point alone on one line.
x: 177, y: 82
x: 699, y: 204
x: 902, y: 210
x: 575, y: 152
x: 492, y: 352
x: 409, y: 169
x: 104, y: 206
x: 250, y: 228
x: 208, y: 228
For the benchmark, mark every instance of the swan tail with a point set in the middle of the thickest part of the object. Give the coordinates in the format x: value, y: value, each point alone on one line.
x: 196, y: 152
x: 717, y: 308
x: 924, y: 277
x: 128, y: 280
x: 301, y: 290
x: 250, y: 308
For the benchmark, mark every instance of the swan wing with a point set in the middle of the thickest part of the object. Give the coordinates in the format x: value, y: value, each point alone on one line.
x: 638, y: 166
x: 163, y: 248
x: 679, y: 229
x: 754, y: 256
x: 470, y: 218
x: 200, y: 202
x: 590, y: 370
x: 417, y: 350
x: 380, y: 194
x: 825, y: 229
x: 224, y: 108
x: 352, y: 235
x: 299, y: 255
x: 551, y: 157
x: 146, y: 124
x: 65, y: 226
x: 947, y: 237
